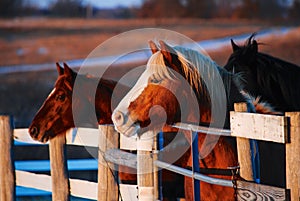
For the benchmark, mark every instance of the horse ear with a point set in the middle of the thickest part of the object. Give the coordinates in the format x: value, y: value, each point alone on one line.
x: 70, y: 76
x: 170, y: 56
x: 68, y: 70
x: 153, y: 47
x: 254, y: 46
x: 235, y: 47
x: 60, y: 69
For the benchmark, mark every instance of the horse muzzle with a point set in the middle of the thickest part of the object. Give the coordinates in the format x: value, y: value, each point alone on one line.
x: 124, y: 124
x: 34, y: 131
x: 36, y: 134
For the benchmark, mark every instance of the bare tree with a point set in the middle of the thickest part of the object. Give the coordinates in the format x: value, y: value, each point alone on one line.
x: 294, y: 11
x: 68, y: 8
x: 203, y: 8
x: 177, y: 8
x: 247, y: 9
x: 269, y: 9
x: 9, y: 8
x: 161, y: 8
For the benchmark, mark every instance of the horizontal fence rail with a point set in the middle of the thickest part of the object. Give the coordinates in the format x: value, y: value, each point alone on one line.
x: 189, y: 173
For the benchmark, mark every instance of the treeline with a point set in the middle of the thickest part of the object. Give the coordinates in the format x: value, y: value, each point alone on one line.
x: 62, y: 8
x: 266, y: 9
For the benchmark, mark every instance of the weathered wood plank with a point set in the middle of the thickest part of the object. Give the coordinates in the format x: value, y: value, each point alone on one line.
x: 83, y: 137
x: 128, y: 143
x: 259, y: 126
x: 145, y: 177
x: 155, y: 169
x: 22, y: 135
x: 252, y: 191
x: 243, y: 149
x: 7, y: 171
x: 203, y: 129
x: 59, y: 169
x: 79, y: 188
x: 32, y: 180
x: 84, y: 189
x: 129, y: 192
x: 74, y: 136
x: 120, y: 157
x: 107, y: 188
x: 293, y: 156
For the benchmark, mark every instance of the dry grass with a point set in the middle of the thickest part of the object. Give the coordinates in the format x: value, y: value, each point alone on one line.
x: 31, y: 41
x: 23, y: 93
x: 286, y: 47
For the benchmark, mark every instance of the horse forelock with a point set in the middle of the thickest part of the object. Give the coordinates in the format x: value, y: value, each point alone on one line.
x: 156, y: 65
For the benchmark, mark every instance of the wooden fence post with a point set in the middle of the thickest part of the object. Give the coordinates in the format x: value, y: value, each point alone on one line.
x: 7, y: 171
x: 145, y: 174
x: 243, y: 149
x: 156, y: 178
x: 293, y: 156
x: 59, y: 169
x: 107, y: 186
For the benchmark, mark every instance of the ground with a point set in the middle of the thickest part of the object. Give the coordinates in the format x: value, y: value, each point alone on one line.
x: 42, y: 40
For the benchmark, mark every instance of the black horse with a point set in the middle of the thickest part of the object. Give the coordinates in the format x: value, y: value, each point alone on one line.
x: 276, y: 81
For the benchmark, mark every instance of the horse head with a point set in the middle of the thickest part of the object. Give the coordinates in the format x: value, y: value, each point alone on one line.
x: 170, y: 90
x: 243, y: 61
x: 55, y: 115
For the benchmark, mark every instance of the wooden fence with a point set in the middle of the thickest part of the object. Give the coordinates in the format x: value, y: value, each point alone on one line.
x: 58, y: 183
x: 244, y: 126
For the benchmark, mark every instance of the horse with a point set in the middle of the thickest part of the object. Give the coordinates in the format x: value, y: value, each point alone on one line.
x: 273, y: 79
x: 154, y: 103
x: 56, y: 113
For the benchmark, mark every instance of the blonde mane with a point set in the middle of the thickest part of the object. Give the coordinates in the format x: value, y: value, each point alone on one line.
x: 199, y: 71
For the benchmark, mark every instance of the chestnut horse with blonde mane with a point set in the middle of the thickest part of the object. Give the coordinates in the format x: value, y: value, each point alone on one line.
x: 153, y: 103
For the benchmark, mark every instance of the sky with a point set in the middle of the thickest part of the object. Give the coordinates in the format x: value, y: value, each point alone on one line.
x: 114, y: 3
x: 96, y: 3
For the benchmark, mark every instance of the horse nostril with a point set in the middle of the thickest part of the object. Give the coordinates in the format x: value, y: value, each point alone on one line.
x: 34, y: 131
x: 118, y: 118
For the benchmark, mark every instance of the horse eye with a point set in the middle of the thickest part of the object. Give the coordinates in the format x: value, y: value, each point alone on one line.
x: 60, y: 97
x: 154, y: 80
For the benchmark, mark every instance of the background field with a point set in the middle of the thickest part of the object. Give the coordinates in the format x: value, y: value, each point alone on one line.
x: 43, y: 40
x: 30, y: 41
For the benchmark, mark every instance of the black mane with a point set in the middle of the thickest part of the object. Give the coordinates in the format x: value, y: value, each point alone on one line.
x: 274, y: 79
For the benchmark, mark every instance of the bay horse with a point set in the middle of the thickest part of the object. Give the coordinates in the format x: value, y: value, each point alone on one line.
x: 56, y: 114
x: 155, y: 102
x: 275, y: 81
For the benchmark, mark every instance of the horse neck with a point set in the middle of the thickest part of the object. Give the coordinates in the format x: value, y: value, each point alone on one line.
x: 103, y: 101
x: 233, y: 92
